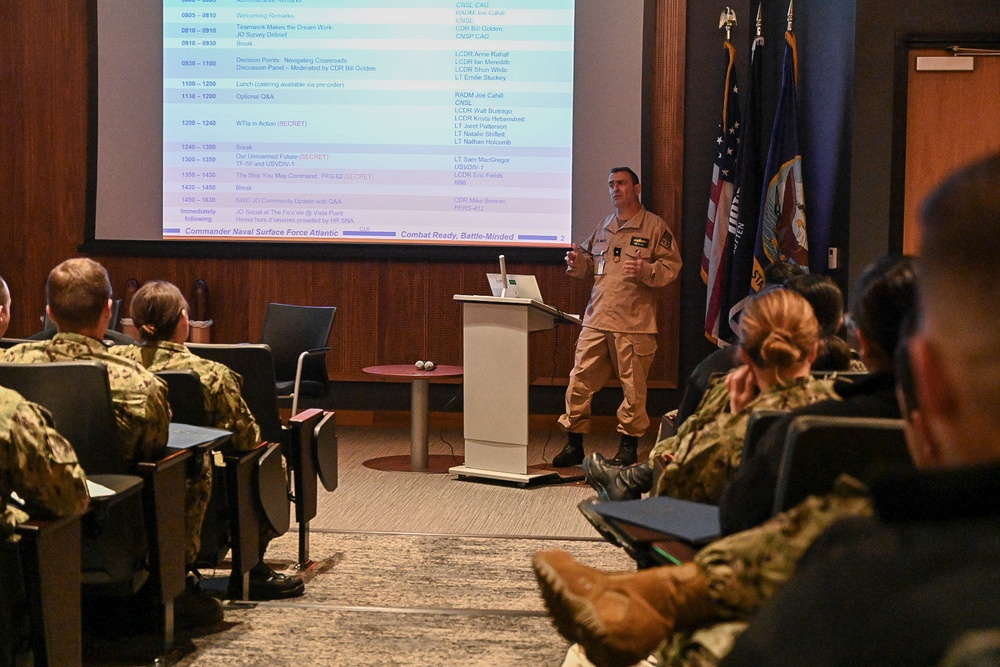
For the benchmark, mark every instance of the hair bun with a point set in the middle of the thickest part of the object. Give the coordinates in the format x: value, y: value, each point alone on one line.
x: 778, y: 349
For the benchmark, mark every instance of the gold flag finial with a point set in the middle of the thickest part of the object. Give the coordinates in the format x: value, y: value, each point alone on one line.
x: 791, y: 14
x: 727, y: 21
x: 760, y: 19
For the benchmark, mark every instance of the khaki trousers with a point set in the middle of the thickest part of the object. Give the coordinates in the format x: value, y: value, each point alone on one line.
x: 599, y: 354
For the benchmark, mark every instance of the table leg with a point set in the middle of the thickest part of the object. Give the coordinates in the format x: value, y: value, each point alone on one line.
x: 419, y: 407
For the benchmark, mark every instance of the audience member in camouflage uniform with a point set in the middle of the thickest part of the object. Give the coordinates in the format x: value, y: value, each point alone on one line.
x: 160, y: 313
x: 79, y: 302
x: 700, y: 608
x: 35, y: 461
x: 778, y: 343
x: 37, y: 464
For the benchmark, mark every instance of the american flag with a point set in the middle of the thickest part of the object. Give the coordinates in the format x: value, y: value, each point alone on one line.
x: 713, y: 268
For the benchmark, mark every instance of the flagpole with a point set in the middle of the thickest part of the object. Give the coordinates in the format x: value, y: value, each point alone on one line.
x: 791, y: 14
x: 760, y: 19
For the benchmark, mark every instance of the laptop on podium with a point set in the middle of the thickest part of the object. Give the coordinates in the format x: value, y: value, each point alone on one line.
x: 518, y: 286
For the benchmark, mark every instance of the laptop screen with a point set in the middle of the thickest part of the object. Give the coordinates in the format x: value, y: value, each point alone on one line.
x: 518, y: 286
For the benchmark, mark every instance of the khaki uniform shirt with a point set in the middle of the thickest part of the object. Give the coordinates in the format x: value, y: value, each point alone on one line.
x: 139, y: 397
x: 619, y: 304
x: 224, y: 403
x: 708, y: 446
x: 36, y: 463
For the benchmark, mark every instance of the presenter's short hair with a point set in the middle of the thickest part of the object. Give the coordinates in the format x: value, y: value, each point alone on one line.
x: 627, y: 170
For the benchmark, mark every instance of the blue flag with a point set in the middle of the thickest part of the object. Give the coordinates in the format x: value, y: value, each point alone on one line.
x: 781, y: 226
x: 746, y: 204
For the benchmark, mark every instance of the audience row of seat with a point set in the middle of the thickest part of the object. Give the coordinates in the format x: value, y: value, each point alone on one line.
x: 132, y: 538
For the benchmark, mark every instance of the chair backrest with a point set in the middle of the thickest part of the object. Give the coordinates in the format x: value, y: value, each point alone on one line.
x: 291, y: 330
x: 78, y: 395
x: 116, y: 314
x: 256, y: 365
x: 757, y: 425
x: 819, y: 449
x: 186, y: 395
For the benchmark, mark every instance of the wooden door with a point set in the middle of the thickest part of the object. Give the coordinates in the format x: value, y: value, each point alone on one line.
x: 952, y: 118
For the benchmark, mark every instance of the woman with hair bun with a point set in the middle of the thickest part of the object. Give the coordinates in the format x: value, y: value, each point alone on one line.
x: 779, y: 339
x: 160, y: 313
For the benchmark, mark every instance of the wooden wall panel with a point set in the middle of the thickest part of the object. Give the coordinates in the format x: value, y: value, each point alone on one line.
x: 389, y: 312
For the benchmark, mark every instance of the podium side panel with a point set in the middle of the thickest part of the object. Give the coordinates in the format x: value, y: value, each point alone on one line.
x: 496, y: 456
x: 495, y: 383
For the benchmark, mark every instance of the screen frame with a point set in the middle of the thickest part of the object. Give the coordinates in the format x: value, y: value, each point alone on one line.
x: 331, y: 250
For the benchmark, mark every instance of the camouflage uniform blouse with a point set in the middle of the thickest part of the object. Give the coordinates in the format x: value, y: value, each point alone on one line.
x: 707, y: 448
x: 140, y: 398
x: 224, y: 403
x: 36, y: 463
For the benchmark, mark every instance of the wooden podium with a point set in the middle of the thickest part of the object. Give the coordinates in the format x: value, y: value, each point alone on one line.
x: 495, y: 334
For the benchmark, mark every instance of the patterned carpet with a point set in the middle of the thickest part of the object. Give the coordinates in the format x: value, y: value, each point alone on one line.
x: 389, y: 599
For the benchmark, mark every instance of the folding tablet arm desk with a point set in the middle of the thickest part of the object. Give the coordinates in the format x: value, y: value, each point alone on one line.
x: 495, y: 348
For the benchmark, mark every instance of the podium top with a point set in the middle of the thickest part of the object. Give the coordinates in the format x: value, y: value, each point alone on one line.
x: 557, y: 314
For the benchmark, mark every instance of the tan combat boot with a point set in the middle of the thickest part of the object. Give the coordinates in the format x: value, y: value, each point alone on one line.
x: 620, y: 618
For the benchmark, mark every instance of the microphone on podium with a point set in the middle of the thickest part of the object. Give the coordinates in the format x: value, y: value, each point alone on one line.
x: 503, y: 277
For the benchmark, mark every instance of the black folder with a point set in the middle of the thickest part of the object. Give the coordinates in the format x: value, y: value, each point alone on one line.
x: 691, y: 522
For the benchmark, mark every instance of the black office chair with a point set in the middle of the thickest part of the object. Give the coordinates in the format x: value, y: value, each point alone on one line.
x: 298, y: 337
x: 137, y: 532
x: 819, y: 449
x: 309, y: 453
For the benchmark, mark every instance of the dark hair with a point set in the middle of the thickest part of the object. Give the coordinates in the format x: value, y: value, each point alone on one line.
x: 780, y: 272
x: 156, y: 310
x: 627, y: 170
x: 77, y: 292
x: 884, y: 296
x: 824, y: 296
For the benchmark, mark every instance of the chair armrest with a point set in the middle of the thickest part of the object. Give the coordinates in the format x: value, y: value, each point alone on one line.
x: 50, y: 559
x: 163, y: 505
x: 302, y: 460
x: 244, y: 512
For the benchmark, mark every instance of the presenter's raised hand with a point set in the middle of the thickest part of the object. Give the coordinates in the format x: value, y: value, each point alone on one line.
x: 632, y: 268
x: 571, y: 255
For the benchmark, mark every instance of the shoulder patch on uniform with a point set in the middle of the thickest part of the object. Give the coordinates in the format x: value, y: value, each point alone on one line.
x: 639, y: 242
x: 667, y: 240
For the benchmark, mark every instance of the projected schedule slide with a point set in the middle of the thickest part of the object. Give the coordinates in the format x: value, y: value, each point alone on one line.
x: 404, y: 122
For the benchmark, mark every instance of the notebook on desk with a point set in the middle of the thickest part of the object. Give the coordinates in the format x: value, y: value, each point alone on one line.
x: 518, y: 286
x: 186, y: 436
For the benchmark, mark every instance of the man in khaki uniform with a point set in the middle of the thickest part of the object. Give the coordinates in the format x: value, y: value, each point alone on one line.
x: 630, y: 254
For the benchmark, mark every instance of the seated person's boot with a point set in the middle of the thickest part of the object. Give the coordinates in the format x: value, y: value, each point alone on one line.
x: 613, y: 483
x: 266, y: 584
x: 572, y: 453
x: 194, y: 608
x: 620, y: 618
